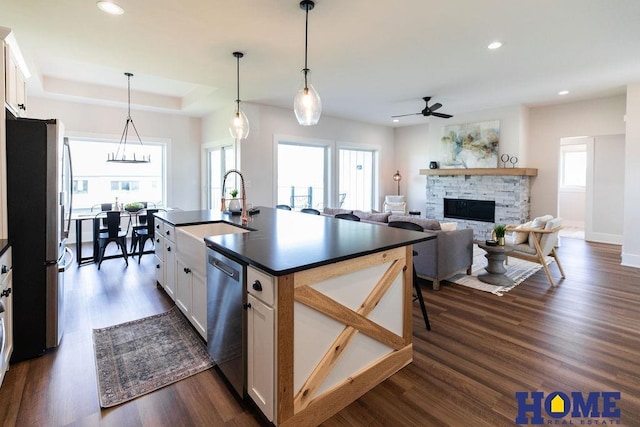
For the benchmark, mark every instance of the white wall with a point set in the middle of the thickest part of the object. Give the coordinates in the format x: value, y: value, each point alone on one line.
x: 548, y: 125
x: 631, y: 243
x: 417, y: 145
x: 257, y: 151
x: 183, y: 134
x: 605, y: 195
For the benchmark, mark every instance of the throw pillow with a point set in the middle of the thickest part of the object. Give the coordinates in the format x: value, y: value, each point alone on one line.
x: 448, y: 226
x: 522, y: 236
x: 539, y: 222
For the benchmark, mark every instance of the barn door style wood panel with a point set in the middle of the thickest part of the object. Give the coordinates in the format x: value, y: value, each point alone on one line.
x: 342, y: 329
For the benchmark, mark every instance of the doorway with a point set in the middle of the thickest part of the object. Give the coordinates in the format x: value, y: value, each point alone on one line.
x: 591, y: 180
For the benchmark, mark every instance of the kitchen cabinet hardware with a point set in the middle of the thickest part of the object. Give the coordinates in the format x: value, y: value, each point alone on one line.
x: 5, y: 269
x: 6, y: 292
x: 257, y: 286
x: 246, y: 306
x: 187, y: 270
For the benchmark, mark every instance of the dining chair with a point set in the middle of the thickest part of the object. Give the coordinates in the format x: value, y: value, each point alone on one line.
x: 113, y: 233
x: 406, y: 225
x: 310, y: 211
x: 142, y: 233
x: 104, y: 207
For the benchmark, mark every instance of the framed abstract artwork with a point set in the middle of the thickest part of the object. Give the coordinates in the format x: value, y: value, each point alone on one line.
x: 471, y: 145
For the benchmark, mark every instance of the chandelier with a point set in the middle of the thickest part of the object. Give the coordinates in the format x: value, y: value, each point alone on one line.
x: 120, y: 156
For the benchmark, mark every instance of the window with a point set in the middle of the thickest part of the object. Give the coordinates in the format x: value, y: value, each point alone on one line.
x: 80, y: 186
x: 95, y: 181
x: 573, y: 167
x: 357, y: 179
x: 220, y: 160
x: 302, y: 175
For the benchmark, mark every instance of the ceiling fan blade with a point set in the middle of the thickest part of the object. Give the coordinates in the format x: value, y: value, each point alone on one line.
x: 435, y: 106
x: 444, y: 116
x: 405, y: 115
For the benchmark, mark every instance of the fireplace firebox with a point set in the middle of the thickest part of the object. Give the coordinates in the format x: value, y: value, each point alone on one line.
x: 475, y: 210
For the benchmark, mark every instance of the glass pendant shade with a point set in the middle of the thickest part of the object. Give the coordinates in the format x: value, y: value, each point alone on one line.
x: 239, y: 128
x: 307, y: 105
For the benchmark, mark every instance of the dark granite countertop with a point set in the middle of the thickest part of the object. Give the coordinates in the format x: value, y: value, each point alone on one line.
x: 283, y: 242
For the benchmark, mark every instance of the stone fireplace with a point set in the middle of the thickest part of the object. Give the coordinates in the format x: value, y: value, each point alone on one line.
x: 508, y: 189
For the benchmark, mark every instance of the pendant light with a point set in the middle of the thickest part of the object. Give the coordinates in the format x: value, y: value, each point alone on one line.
x: 239, y: 123
x: 307, y: 104
x: 120, y: 156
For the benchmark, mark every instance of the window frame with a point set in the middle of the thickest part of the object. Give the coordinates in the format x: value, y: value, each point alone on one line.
x: 163, y: 144
x: 564, y: 150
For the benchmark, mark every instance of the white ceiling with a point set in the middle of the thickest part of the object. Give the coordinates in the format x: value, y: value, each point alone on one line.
x: 370, y: 59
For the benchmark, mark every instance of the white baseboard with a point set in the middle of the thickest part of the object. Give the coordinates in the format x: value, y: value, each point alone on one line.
x: 614, y: 239
x: 630, y: 260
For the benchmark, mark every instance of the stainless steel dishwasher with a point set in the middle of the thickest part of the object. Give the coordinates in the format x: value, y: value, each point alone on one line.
x: 225, y: 317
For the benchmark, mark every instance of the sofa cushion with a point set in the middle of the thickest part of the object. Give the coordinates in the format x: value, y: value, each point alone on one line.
x: 427, y: 224
x: 336, y: 211
x: 373, y: 217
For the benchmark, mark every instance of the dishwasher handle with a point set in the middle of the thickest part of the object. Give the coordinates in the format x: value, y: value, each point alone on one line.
x: 226, y: 269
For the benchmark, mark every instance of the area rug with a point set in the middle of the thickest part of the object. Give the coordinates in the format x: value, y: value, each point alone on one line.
x: 517, y: 270
x: 138, y: 357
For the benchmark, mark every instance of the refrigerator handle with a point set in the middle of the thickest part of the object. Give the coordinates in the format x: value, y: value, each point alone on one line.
x: 66, y: 265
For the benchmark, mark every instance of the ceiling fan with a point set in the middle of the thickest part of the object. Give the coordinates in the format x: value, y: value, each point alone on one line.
x: 428, y: 111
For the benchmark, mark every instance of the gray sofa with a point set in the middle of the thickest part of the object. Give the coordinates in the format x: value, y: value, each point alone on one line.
x: 438, y: 259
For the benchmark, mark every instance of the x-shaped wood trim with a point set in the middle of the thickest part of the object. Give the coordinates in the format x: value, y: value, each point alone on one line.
x: 355, y: 321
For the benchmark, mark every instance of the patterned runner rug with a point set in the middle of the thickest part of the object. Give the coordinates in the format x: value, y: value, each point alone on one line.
x: 517, y: 270
x: 138, y: 357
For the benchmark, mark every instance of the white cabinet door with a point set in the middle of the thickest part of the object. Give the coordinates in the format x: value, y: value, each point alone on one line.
x: 170, y: 269
x: 183, y: 287
x: 199, y: 303
x: 159, y: 270
x: 260, y: 355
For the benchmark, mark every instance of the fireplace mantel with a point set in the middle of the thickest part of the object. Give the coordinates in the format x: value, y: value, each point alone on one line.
x: 482, y: 172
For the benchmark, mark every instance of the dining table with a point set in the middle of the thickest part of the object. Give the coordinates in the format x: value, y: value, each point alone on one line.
x: 96, y: 218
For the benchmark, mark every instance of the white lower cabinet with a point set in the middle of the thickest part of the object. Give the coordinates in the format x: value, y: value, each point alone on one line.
x: 199, y: 303
x: 261, y: 341
x: 191, y: 295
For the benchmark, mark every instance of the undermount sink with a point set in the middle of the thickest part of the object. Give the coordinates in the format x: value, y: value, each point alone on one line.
x: 190, y: 241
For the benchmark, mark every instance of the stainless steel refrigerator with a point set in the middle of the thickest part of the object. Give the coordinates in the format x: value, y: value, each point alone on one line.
x: 39, y: 184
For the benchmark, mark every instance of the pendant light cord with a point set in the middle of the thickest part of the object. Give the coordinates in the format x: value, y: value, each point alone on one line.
x: 306, y: 42
x: 129, y: 95
x: 238, y: 83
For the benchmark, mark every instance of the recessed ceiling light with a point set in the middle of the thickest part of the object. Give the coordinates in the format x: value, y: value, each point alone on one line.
x: 563, y: 92
x: 110, y: 7
x: 396, y: 120
x: 495, y: 45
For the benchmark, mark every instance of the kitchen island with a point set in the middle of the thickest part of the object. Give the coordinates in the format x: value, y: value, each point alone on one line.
x: 328, y: 307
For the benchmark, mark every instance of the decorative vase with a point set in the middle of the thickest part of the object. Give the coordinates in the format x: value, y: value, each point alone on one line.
x: 500, y: 241
x: 234, y: 205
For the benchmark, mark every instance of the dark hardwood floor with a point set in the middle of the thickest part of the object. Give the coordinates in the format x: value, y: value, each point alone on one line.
x: 583, y: 335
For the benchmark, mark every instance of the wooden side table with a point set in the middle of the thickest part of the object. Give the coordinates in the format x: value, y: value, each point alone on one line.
x: 495, y: 265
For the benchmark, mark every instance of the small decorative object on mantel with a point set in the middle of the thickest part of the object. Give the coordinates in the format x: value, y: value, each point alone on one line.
x: 433, y: 165
x: 505, y: 158
x: 499, y: 230
x: 491, y: 242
